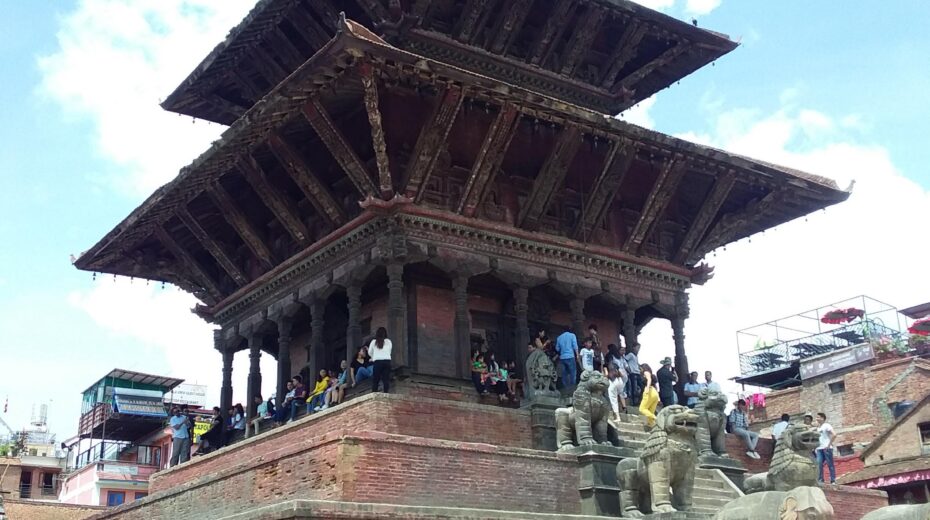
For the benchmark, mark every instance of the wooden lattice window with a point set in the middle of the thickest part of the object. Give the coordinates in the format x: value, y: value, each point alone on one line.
x: 924, y: 429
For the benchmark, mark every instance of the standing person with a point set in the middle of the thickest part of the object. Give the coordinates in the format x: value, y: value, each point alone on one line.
x: 587, y: 355
x: 567, y: 346
x: 636, y: 379
x: 692, y: 387
x: 709, y: 382
x: 666, y: 378
x: 380, y: 351
x: 825, y: 448
x: 650, y: 399
x: 615, y: 393
x: 361, y: 368
x: 180, y: 437
x: 780, y: 427
x: 595, y: 339
x: 739, y: 425
x: 615, y: 357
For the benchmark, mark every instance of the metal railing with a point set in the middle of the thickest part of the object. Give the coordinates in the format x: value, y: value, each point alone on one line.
x: 43, y: 492
x: 117, y: 451
x: 782, y: 355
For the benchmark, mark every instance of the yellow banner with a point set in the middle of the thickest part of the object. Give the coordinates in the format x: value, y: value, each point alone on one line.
x: 200, y: 428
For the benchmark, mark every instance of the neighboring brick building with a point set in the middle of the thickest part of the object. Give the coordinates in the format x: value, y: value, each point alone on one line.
x: 898, y: 461
x: 30, y: 510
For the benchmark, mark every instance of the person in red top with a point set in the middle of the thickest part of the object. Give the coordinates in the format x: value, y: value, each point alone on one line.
x: 300, y: 396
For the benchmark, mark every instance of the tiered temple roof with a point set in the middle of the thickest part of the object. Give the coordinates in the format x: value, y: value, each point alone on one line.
x: 362, y: 121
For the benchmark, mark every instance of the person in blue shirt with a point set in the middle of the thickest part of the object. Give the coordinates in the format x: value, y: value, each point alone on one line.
x: 692, y: 388
x: 181, y: 437
x: 567, y: 346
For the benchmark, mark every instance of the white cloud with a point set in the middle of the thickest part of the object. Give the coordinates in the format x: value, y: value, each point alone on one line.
x: 116, y: 60
x: 701, y: 7
x: 862, y: 246
x: 658, y: 5
x: 638, y: 114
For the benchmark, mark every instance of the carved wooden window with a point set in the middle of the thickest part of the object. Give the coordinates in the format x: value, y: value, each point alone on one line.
x: 924, y: 429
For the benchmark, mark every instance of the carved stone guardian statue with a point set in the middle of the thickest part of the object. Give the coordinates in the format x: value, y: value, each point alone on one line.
x: 662, y: 479
x: 540, y: 375
x: 900, y: 512
x: 712, y: 422
x: 791, y: 464
x: 585, y: 422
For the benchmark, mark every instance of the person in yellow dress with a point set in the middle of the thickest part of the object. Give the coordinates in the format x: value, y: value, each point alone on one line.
x: 316, y: 400
x: 647, y: 407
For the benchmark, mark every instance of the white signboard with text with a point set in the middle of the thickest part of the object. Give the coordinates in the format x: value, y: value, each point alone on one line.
x: 194, y: 396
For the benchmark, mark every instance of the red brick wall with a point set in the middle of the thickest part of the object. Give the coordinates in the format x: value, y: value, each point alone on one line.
x: 851, y: 503
x: 737, y: 450
x: 778, y: 402
x: 904, y: 441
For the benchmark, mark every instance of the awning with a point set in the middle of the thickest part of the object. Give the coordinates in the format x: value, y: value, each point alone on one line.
x: 139, y: 405
x: 894, y: 480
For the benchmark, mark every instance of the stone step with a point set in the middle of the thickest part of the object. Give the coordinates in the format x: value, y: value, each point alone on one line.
x: 714, y: 493
x: 711, y: 483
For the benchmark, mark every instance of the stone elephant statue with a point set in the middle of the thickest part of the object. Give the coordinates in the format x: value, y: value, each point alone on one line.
x: 800, y: 503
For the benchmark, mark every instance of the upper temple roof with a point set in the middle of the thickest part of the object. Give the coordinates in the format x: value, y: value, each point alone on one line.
x: 605, y: 55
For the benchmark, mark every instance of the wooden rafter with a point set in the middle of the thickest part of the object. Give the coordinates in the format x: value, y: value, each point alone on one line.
x: 666, y: 183
x: 285, y: 48
x: 265, y: 63
x: 333, y: 139
x: 623, y: 51
x: 731, y: 225
x: 468, y: 21
x: 189, y: 264
x: 306, y: 179
x: 718, y: 194
x: 616, y: 165
x: 581, y: 39
x: 309, y: 28
x: 510, y: 25
x: 555, y: 24
x: 282, y: 208
x: 489, y: 158
x: 326, y: 10
x: 239, y: 222
x: 550, y: 177
x: 373, y: 109
x: 212, y: 246
x: 225, y: 104
x: 374, y: 9
x: 246, y: 84
x: 665, y: 58
x: 432, y: 141
x: 420, y: 10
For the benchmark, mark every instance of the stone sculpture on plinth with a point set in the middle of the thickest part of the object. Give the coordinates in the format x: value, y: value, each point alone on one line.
x: 801, y: 503
x: 585, y: 422
x: 900, y: 512
x: 791, y: 464
x: 541, y: 375
x: 712, y: 422
x: 661, y: 480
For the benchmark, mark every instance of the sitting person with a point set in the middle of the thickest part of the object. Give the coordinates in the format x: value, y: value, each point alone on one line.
x: 479, y: 372
x: 237, y: 429
x: 650, y: 399
x: 284, y: 407
x: 361, y: 367
x: 316, y: 399
x: 340, y: 383
x: 212, y: 439
x: 261, y: 414
x: 739, y: 425
x: 300, y: 397
x: 497, y: 377
x: 514, y: 382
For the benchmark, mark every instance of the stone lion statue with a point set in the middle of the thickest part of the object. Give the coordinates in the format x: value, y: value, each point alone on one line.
x: 712, y: 422
x: 662, y: 479
x: 900, y: 512
x: 540, y: 375
x: 791, y: 464
x: 586, y: 420
x: 801, y: 503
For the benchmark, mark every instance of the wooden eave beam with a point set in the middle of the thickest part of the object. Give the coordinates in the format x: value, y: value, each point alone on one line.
x: 617, y: 164
x: 468, y: 21
x: 374, y: 9
x: 581, y: 39
x: 510, y: 25
x: 623, y: 51
x: 420, y: 10
x: 316, y: 115
x: 555, y: 24
x: 282, y: 208
x: 189, y: 264
x: 431, y: 141
x: 267, y: 66
x: 550, y: 177
x: 310, y: 29
x: 225, y: 105
x: 327, y: 12
x: 670, y: 55
x: 306, y: 179
x: 489, y: 158
x: 240, y: 223
x: 373, y: 109
x: 285, y: 48
x: 730, y: 225
x: 709, y: 209
x: 662, y: 191
x: 212, y: 246
x: 247, y: 85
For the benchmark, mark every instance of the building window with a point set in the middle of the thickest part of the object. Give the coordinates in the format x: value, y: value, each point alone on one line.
x: 141, y: 494
x: 845, y: 450
x: 115, y: 498
x: 838, y: 387
x: 924, y: 429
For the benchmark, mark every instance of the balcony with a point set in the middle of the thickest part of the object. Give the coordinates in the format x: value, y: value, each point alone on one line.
x: 44, y: 492
x: 118, y: 455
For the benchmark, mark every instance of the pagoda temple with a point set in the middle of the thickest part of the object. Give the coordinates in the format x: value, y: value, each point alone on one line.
x: 452, y: 170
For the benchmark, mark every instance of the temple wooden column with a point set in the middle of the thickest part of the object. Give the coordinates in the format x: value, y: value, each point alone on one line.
x: 315, y: 349
x: 629, y: 327
x: 396, y: 327
x: 521, y: 309
x: 285, y: 325
x: 681, y: 360
x: 462, y: 327
x: 577, y: 306
x: 354, y: 329
x: 254, y: 386
x: 226, y: 390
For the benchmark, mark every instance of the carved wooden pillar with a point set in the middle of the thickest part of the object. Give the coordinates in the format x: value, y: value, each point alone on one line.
x: 629, y: 327
x: 462, y: 327
x: 396, y: 327
x: 315, y: 350
x: 521, y: 309
x: 681, y: 360
x: 254, y: 386
x: 354, y: 328
x: 285, y: 325
x: 577, y: 306
x: 226, y: 390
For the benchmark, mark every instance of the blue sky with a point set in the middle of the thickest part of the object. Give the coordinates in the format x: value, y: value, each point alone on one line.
x: 824, y: 86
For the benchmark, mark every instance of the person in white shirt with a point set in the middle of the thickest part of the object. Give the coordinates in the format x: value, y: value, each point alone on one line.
x: 825, y: 448
x: 587, y: 355
x: 779, y: 427
x: 380, y: 352
x: 615, y: 392
x: 692, y: 387
x: 709, y: 383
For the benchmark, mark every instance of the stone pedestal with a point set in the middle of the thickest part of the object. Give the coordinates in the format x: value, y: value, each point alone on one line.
x: 600, y: 493
x: 680, y: 515
x: 732, y: 468
x: 542, y: 412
